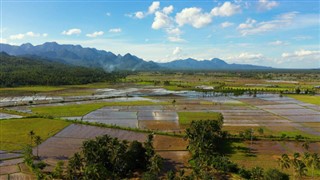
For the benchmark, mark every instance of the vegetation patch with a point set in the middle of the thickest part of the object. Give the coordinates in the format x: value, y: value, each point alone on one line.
x: 187, y: 117
x: 82, y: 109
x: 14, y: 132
x: 306, y: 98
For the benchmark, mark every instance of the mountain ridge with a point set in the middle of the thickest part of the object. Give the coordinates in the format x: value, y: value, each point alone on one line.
x: 91, y: 57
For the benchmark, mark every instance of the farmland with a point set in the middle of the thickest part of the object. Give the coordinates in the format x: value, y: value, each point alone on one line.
x: 269, y: 110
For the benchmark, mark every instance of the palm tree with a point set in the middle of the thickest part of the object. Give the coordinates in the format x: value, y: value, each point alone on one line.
x: 284, y: 161
x: 314, y: 162
x: 156, y: 164
x: 298, y: 166
x: 37, y: 141
x: 305, y: 145
x: 31, y: 134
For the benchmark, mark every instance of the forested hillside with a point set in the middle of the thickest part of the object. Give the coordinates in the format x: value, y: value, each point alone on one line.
x: 18, y: 71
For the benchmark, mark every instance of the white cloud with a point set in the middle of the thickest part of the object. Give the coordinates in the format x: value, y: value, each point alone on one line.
x: 194, y: 17
x: 226, y: 24
x: 139, y: 14
x: 3, y: 41
x: 174, y: 31
x: 17, y: 36
x: 95, y: 34
x: 247, y: 58
x: 176, y: 39
x: 72, y: 32
x: 32, y: 34
x: 248, y: 24
x: 177, y: 51
x: 153, y: 7
x: 27, y: 34
x: 108, y: 14
x: 246, y: 55
x: 227, y: 9
x: 300, y: 59
x: 278, y: 43
x: 115, y: 30
x: 252, y: 27
x: 168, y: 9
x: 267, y: 5
x: 301, y: 53
x: 151, y: 10
x: 161, y: 20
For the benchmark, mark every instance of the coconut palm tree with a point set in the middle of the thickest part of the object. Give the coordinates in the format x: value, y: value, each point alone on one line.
x: 31, y: 134
x: 37, y: 141
x: 284, y: 161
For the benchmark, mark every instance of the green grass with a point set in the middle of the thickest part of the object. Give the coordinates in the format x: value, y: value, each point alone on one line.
x: 14, y: 132
x: 83, y: 109
x: 34, y: 88
x: 186, y: 118
x: 306, y: 98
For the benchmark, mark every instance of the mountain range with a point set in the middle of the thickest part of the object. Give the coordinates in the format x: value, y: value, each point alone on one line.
x: 91, y: 57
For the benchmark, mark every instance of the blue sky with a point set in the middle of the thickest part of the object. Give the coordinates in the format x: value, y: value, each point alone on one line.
x: 277, y: 33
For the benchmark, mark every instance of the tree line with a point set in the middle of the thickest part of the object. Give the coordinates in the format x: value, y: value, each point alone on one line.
x: 21, y: 71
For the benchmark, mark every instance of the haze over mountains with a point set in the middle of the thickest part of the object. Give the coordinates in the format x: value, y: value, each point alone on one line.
x: 91, y: 57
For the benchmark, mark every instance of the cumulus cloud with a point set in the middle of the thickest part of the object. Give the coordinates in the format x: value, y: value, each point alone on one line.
x: 161, y: 20
x: 177, y: 51
x: 32, y: 34
x: 252, y: 27
x: 248, y: 24
x: 139, y: 15
x: 17, y: 36
x: 27, y: 34
x: 301, y: 53
x: 151, y: 10
x: 176, y: 39
x: 248, y: 58
x: 115, y: 30
x: 267, y: 5
x: 227, y: 9
x: 226, y: 24
x: 95, y: 34
x: 72, y: 32
x: 174, y: 31
x: 194, y: 17
x: 153, y: 7
x: 168, y: 9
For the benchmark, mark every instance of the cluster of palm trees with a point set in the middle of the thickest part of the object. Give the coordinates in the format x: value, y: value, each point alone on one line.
x: 35, y: 139
x: 109, y: 158
x: 300, y: 164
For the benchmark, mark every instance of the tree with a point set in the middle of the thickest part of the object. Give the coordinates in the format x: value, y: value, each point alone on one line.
x: 298, y: 165
x: 257, y: 173
x: 275, y: 174
x: 306, y: 145
x: 284, y: 161
x: 156, y: 163
x: 31, y: 134
x: 260, y: 131
x: 312, y: 161
x: 205, y: 137
x: 37, y: 141
x: 58, y: 170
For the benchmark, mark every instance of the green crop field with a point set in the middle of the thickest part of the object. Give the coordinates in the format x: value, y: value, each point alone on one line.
x: 14, y: 132
x: 83, y: 109
x: 187, y: 117
x: 306, y: 98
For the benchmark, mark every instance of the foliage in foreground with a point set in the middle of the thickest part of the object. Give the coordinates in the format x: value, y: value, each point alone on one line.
x: 110, y: 158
